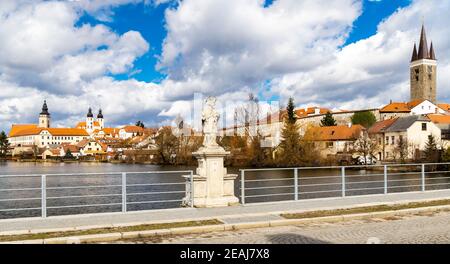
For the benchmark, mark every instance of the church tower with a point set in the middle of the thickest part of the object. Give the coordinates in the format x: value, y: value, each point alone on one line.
x: 44, y: 116
x: 100, y: 119
x: 423, y: 70
x: 90, y: 121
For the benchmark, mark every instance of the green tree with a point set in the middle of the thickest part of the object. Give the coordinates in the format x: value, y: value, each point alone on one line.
x: 291, y: 118
x: 4, y: 144
x: 364, y: 118
x: 431, y: 150
x: 68, y: 155
x: 140, y: 124
x: 328, y: 120
x: 290, y: 150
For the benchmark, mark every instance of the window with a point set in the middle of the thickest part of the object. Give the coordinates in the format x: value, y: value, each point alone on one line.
x: 387, y: 140
x: 393, y: 140
x: 329, y: 144
x: 424, y: 126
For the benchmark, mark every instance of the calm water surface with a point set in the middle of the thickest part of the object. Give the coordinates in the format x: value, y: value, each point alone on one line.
x: 104, y: 191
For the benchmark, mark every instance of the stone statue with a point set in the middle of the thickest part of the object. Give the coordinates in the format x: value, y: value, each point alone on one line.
x: 210, y: 118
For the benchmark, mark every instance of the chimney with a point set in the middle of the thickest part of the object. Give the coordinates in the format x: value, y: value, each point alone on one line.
x: 349, y: 125
x: 317, y: 111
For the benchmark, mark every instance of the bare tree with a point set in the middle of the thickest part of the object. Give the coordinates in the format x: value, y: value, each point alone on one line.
x: 248, y: 116
x: 401, y: 149
x: 365, y: 145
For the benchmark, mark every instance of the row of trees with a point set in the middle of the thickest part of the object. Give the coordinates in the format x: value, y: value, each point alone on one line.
x: 364, y: 118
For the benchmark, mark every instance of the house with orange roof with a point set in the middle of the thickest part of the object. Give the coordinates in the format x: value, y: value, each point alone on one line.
x: 91, y: 147
x: 415, y: 107
x: 42, y: 135
x: 332, y: 140
x: 127, y: 132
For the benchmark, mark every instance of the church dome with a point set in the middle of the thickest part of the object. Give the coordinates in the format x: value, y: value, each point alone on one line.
x: 100, y: 114
x: 89, y: 114
x: 45, y: 109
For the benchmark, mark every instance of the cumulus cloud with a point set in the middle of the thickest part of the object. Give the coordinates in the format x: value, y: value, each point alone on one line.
x: 227, y: 45
x: 43, y: 55
x: 226, y: 48
x: 371, y: 71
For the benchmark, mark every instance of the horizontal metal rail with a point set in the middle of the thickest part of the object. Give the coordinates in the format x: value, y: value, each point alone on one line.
x: 84, y: 187
x: 84, y: 196
x: 272, y: 194
x: 366, y: 180
x: 155, y: 184
x: 21, y: 189
x: 82, y: 205
x: 19, y: 199
x: 67, y: 196
x: 147, y: 193
x: 20, y: 209
x: 157, y: 201
x: 280, y: 179
x: 270, y: 187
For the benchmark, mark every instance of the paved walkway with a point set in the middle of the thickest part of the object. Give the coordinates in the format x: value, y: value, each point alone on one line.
x: 236, y: 214
x: 432, y: 228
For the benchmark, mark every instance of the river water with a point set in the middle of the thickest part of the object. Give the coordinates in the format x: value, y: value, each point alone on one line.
x: 69, y: 194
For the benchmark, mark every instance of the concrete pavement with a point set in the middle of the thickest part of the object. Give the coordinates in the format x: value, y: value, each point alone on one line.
x: 229, y: 215
x: 421, y: 228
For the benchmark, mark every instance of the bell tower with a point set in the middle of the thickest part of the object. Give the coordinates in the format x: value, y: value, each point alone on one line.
x: 90, y: 121
x: 423, y: 71
x: 44, y: 116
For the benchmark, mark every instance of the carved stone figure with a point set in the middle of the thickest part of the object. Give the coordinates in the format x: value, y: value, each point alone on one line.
x: 210, y: 118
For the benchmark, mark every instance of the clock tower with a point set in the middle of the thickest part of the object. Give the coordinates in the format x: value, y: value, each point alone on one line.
x: 423, y: 71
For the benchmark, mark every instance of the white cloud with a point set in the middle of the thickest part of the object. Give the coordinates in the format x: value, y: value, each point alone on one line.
x: 223, y: 47
x: 227, y: 45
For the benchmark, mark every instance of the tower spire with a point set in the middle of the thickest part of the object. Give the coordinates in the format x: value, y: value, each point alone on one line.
x: 423, y: 46
x: 89, y: 114
x: 100, y: 113
x: 414, y: 56
x: 45, y: 108
x: 432, y: 54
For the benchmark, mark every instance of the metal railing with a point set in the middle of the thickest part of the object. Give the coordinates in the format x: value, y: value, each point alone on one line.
x: 38, y: 195
x: 284, y: 184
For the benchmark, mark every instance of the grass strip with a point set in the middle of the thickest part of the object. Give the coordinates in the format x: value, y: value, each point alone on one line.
x: 365, y: 209
x: 109, y: 230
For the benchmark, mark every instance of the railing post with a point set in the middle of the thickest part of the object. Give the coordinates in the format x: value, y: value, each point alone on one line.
x: 192, y: 189
x: 385, y: 180
x: 343, y: 181
x: 124, y: 192
x: 423, y: 177
x: 44, y: 195
x: 243, y: 186
x: 296, y: 184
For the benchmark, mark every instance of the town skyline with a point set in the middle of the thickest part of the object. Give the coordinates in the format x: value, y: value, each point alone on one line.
x: 117, y: 86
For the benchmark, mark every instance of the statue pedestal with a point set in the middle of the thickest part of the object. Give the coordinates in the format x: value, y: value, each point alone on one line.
x: 213, y: 187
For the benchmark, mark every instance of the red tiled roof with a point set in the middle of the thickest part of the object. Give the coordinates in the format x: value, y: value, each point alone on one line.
x: 31, y: 130
x: 440, y: 119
